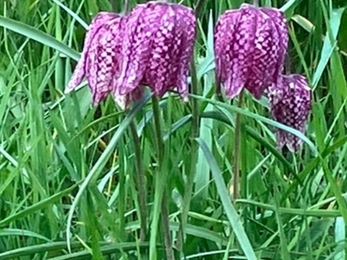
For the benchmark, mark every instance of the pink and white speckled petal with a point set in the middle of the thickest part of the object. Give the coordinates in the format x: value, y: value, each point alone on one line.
x: 265, y: 56
x: 157, y: 48
x: 172, y: 49
x: 102, y: 62
x: 249, y: 49
x: 290, y: 103
x: 96, y: 24
x: 136, y: 48
x: 104, y: 67
x: 280, y: 25
x: 185, y: 37
x: 159, y: 75
x: 225, y: 36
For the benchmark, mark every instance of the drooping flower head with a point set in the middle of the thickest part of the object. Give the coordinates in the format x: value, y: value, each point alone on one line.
x: 290, y: 103
x: 157, y: 49
x: 250, y: 45
x: 100, y: 55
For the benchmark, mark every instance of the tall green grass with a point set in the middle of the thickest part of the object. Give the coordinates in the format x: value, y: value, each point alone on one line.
x: 68, y: 170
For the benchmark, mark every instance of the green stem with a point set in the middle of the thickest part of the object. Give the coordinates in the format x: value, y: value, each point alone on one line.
x: 194, y: 147
x: 121, y: 200
x: 140, y: 181
x: 237, y: 150
x: 161, y: 195
x: 193, y: 161
x: 166, y: 227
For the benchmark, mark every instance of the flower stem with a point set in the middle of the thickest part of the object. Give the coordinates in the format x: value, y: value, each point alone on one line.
x: 161, y: 194
x: 237, y: 150
x: 193, y: 160
x: 194, y: 147
x: 256, y: 3
x: 166, y: 227
x: 140, y: 181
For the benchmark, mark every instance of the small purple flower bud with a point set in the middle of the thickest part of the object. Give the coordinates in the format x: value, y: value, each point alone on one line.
x: 157, y: 48
x: 99, y: 59
x: 250, y: 45
x: 290, y: 103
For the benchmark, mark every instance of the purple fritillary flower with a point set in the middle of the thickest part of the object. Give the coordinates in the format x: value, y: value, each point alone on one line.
x: 250, y: 45
x: 157, y: 49
x: 290, y: 103
x: 282, y: 37
x: 99, y: 59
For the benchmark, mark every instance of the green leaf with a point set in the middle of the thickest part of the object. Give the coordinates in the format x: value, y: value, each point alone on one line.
x: 233, y: 217
x: 262, y: 119
x: 39, y: 36
x: 40, y: 205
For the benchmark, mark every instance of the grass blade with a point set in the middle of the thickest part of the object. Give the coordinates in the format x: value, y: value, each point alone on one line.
x: 230, y: 211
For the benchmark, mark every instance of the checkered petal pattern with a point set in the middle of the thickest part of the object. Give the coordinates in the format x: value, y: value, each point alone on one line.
x: 157, y: 49
x: 290, y: 103
x: 99, y: 61
x: 250, y: 44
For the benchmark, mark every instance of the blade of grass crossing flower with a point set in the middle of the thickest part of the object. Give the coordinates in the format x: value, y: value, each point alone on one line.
x: 252, y: 133
x: 229, y: 209
x: 262, y: 119
x: 101, y: 162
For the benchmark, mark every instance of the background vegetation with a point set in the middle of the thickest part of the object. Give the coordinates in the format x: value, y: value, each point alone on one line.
x: 67, y: 169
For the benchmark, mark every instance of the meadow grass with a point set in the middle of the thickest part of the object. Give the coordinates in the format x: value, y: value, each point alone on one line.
x: 69, y: 170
